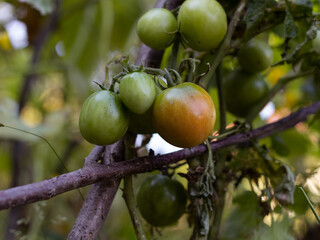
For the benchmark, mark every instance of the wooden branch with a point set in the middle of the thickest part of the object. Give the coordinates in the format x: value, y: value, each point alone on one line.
x: 98, y: 200
x: 90, y: 174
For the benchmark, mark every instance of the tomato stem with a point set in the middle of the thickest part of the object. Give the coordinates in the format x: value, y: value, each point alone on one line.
x: 128, y: 192
x: 227, y: 39
x: 173, y: 57
x: 222, y: 103
x: 47, y: 142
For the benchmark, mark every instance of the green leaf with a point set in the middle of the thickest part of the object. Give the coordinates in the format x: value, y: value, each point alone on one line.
x: 256, y: 10
x: 244, y: 218
x: 297, y: 143
x: 302, y: 6
x: 279, y: 230
x: 43, y: 6
x: 279, y: 145
x: 204, y: 221
x: 284, y: 192
x: 300, y: 205
x: 290, y: 28
x: 293, y: 54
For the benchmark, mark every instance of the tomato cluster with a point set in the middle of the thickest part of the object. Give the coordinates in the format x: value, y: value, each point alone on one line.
x: 184, y: 115
x: 245, y: 86
x: 158, y: 27
x: 105, y: 116
x: 161, y: 200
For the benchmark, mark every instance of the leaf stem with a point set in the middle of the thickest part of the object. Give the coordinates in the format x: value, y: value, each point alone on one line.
x: 33, y: 134
x: 42, y: 138
x: 310, y: 204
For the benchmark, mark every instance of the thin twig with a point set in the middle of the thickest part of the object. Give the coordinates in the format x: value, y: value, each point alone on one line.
x: 310, y: 204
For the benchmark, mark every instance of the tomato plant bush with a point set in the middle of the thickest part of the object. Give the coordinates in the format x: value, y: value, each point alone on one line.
x: 157, y: 28
x: 161, y: 200
x: 184, y: 115
x: 103, y: 118
x: 255, y: 55
x: 137, y: 91
x: 203, y: 24
x: 243, y: 90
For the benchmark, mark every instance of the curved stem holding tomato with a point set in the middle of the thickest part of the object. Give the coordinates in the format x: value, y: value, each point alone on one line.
x: 128, y: 192
x: 173, y: 57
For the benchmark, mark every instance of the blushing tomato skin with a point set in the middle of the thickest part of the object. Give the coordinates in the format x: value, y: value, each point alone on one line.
x: 157, y: 28
x: 137, y: 91
x: 203, y: 24
x: 103, y: 118
x: 161, y: 200
x: 243, y: 90
x: 255, y: 56
x: 184, y: 115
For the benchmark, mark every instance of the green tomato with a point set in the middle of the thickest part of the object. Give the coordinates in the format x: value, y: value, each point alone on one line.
x: 103, y: 118
x: 157, y: 28
x: 243, y: 90
x: 184, y: 115
x: 203, y: 24
x: 316, y: 42
x: 255, y: 56
x: 161, y: 200
x: 137, y: 91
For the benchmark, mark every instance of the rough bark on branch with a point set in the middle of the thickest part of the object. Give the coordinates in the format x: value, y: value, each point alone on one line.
x: 90, y: 174
x: 98, y: 199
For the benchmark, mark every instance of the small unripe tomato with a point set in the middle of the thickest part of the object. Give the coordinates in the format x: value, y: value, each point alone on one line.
x: 316, y: 42
x: 255, y: 56
x: 243, y: 90
x: 103, y: 118
x: 184, y: 115
x: 161, y: 200
x: 137, y: 91
x: 203, y: 24
x: 157, y: 28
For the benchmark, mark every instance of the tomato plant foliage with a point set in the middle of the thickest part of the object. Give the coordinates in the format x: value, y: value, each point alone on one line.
x: 227, y: 68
